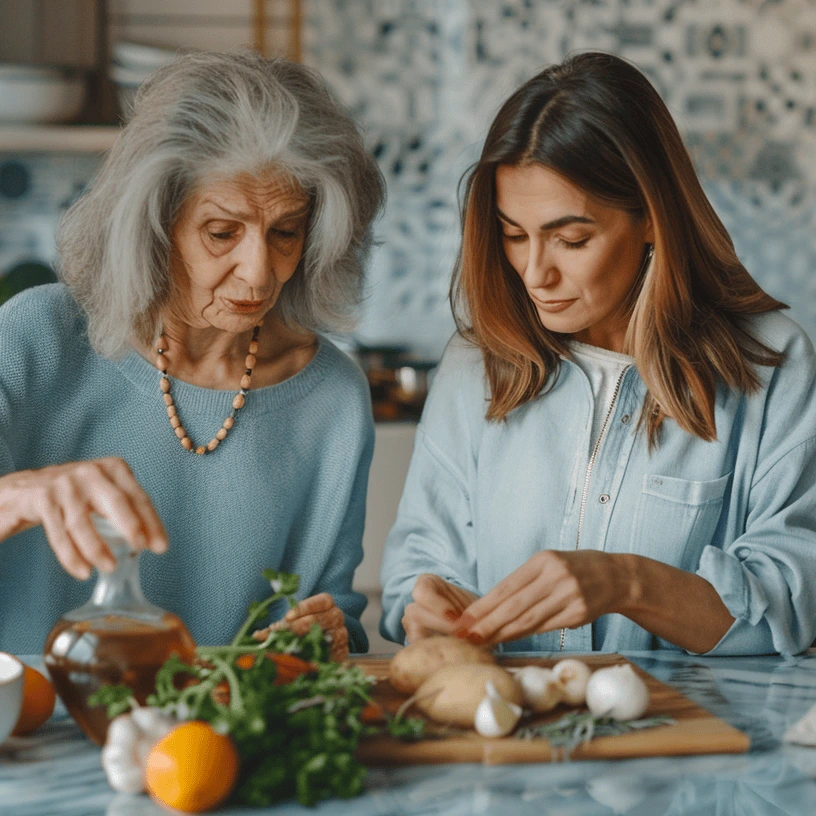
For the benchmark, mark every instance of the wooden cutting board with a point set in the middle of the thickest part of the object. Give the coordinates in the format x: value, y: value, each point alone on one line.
x: 696, y: 730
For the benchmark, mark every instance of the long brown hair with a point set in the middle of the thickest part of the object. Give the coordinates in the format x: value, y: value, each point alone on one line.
x: 598, y: 122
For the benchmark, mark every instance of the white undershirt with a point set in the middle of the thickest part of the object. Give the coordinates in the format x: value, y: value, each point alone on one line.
x: 603, y: 368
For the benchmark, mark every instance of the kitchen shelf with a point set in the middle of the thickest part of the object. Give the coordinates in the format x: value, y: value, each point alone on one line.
x: 57, y: 138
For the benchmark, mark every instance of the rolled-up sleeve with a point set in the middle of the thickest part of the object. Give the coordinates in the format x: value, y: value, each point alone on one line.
x: 433, y: 533
x: 767, y: 576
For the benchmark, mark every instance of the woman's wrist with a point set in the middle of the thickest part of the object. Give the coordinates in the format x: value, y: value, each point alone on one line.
x: 628, y: 581
x: 669, y: 602
x: 12, y: 520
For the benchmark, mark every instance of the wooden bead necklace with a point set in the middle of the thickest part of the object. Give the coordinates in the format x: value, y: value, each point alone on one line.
x: 237, y: 401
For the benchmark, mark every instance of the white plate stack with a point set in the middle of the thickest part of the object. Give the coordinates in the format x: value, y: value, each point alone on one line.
x: 39, y: 95
x: 131, y: 64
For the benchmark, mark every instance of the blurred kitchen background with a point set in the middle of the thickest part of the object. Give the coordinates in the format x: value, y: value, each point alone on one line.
x: 424, y: 78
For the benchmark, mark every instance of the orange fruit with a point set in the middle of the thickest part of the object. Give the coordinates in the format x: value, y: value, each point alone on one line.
x: 38, y: 702
x: 193, y: 768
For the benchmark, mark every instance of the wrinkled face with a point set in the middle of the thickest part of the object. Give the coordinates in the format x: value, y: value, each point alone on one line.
x: 236, y: 243
x: 578, y: 258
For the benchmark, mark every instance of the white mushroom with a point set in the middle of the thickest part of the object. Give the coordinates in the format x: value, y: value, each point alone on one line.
x: 617, y: 692
x: 540, y: 688
x: 573, y: 675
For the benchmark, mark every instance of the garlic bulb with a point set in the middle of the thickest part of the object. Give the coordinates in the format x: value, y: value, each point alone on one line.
x: 495, y: 716
x: 129, y: 740
x: 573, y: 676
x: 540, y: 688
x: 617, y: 692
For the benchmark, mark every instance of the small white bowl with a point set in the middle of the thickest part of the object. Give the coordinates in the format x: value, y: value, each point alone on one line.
x: 11, y: 693
x: 30, y: 95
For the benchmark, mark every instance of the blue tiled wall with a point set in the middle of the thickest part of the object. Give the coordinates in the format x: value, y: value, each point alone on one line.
x: 425, y: 78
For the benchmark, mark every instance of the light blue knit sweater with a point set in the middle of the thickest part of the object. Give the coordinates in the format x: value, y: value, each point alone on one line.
x: 286, y: 490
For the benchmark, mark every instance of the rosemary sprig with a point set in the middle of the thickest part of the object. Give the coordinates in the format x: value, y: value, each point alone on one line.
x: 579, y: 727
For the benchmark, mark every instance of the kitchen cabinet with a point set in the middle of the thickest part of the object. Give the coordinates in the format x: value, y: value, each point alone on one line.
x: 57, y: 139
x: 51, y: 32
x: 394, y: 443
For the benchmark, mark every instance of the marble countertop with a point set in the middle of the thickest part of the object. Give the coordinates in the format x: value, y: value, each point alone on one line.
x: 56, y: 771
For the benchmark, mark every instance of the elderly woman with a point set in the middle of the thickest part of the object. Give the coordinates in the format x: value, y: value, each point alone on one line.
x: 619, y: 451
x: 175, y: 382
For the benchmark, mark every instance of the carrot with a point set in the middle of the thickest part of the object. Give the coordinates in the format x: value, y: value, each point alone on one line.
x: 372, y: 713
x: 245, y: 661
x: 289, y: 667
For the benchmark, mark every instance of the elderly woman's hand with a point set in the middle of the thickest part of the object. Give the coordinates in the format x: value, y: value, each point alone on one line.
x: 62, y: 498
x: 319, y: 609
x: 437, y: 605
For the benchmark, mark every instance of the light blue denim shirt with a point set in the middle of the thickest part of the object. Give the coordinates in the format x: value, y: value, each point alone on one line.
x: 482, y: 497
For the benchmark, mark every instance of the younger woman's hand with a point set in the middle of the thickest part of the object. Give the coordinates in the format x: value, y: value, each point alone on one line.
x: 319, y: 609
x: 436, y: 608
x: 552, y: 590
x: 62, y: 498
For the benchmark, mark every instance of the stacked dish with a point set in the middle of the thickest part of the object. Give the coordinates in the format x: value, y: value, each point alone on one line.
x: 39, y: 95
x: 131, y: 64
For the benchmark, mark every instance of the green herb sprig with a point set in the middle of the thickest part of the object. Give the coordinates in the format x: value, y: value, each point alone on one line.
x: 295, y: 739
x: 579, y: 727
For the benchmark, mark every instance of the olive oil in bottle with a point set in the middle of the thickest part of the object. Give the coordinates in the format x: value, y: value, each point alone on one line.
x: 117, y: 638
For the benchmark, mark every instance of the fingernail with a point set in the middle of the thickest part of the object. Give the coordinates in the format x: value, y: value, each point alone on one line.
x: 159, y: 545
x: 476, y: 640
x: 466, y: 621
x: 461, y: 633
x: 84, y: 573
x: 451, y: 615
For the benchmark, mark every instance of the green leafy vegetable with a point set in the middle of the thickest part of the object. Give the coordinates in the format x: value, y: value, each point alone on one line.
x: 118, y: 699
x: 410, y: 729
x: 295, y: 716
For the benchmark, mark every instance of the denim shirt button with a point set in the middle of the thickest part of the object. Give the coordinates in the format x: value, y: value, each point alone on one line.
x: 604, y: 498
x: 625, y: 419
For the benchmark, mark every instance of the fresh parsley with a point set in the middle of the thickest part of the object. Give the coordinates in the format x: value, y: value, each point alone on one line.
x: 294, y: 715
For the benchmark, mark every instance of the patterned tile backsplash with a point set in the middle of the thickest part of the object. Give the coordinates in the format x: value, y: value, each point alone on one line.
x: 425, y: 78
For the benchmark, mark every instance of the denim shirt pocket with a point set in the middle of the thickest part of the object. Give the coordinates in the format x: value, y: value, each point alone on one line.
x: 676, y: 518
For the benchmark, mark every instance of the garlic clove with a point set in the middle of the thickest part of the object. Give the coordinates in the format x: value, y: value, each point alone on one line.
x: 617, y: 692
x: 126, y: 779
x: 573, y: 675
x: 122, y: 731
x: 540, y: 688
x: 153, y: 722
x: 121, y: 772
x: 495, y: 716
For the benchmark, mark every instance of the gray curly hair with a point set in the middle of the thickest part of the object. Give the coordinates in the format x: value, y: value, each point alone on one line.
x: 223, y: 115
